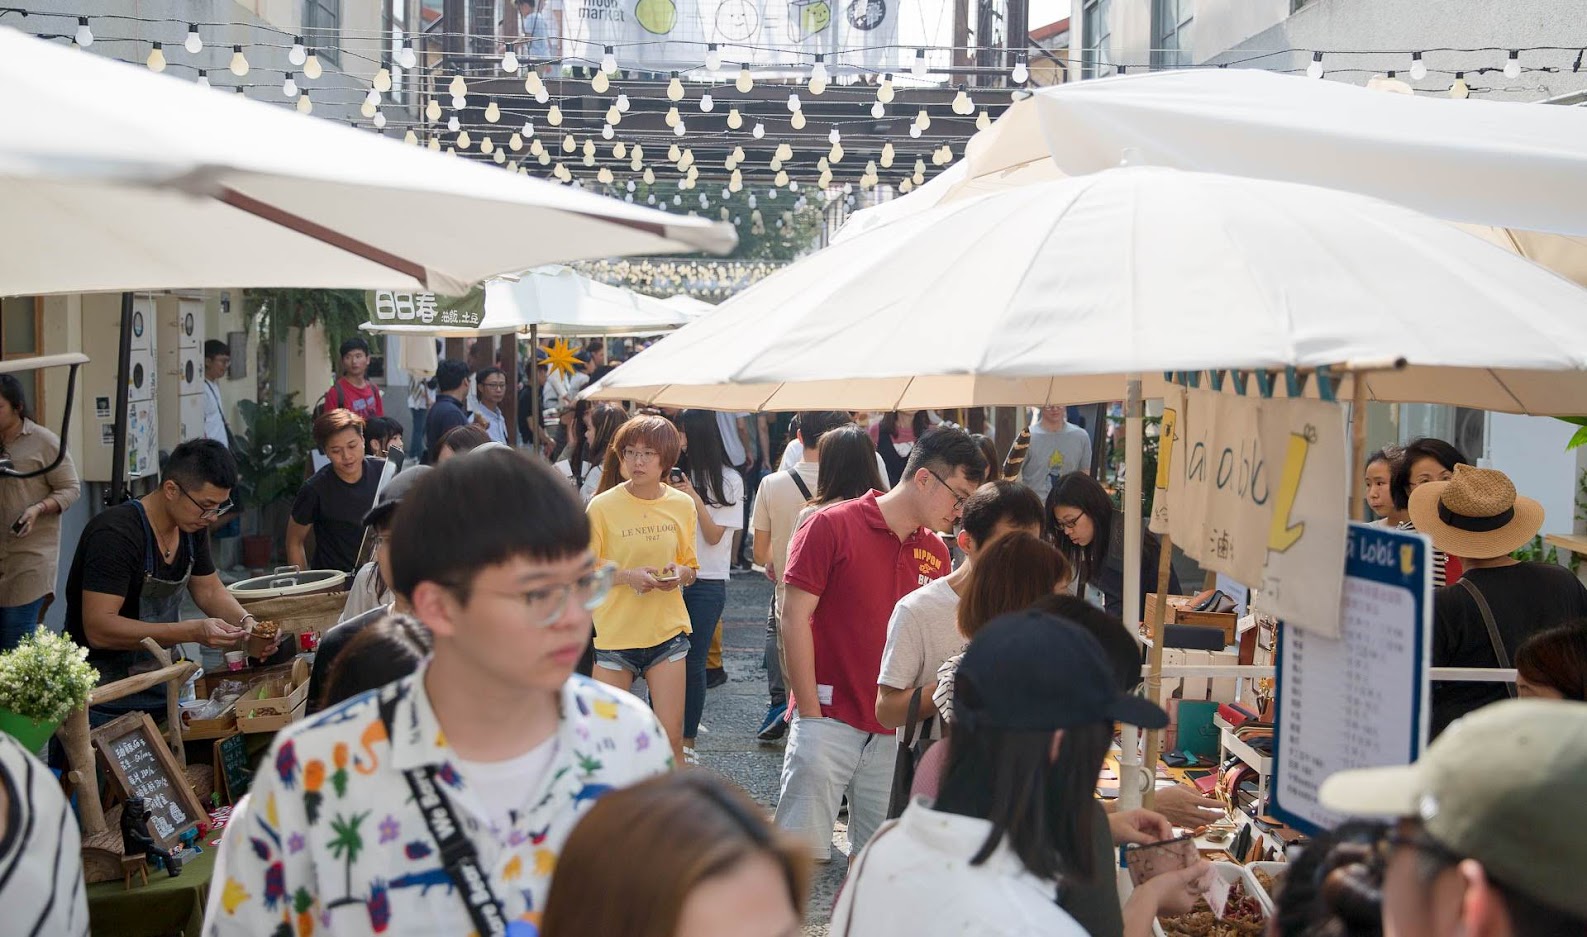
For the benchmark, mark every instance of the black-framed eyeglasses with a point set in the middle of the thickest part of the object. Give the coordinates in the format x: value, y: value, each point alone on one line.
x: 205, y: 513
x: 547, y: 605
x: 495, y: 385
x: 958, y: 499
x: 1069, y: 525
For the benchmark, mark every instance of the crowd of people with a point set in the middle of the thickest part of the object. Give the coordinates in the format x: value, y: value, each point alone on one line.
x: 473, y: 760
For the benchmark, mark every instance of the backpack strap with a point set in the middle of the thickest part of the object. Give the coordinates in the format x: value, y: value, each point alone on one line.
x: 804, y: 489
x: 1494, y: 638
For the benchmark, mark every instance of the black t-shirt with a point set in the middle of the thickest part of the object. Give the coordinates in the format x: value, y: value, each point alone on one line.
x: 445, y: 414
x: 110, y: 559
x: 332, y: 645
x: 1525, y: 599
x: 336, y: 509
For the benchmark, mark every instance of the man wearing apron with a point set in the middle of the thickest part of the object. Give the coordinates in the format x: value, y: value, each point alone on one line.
x: 135, y: 562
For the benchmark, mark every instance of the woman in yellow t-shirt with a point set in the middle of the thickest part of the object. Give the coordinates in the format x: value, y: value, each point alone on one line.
x: 647, y: 529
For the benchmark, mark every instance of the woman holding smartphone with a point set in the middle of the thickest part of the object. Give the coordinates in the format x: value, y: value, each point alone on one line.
x: 718, y: 495
x: 648, y: 529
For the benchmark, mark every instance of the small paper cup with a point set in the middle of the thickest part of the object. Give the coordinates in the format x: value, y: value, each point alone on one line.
x: 236, y: 660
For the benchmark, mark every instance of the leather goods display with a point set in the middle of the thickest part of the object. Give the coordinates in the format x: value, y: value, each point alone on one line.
x: 1170, y: 855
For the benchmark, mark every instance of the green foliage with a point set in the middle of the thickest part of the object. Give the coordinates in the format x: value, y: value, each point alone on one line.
x: 770, y: 241
x: 1537, y: 552
x: 1580, y: 439
x: 1149, y: 446
x: 339, y: 312
x: 46, y: 677
x: 272, y: 451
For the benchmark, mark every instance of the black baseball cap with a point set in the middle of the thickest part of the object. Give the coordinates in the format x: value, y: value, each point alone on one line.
x: 1032, y: 671
x: 392, y: 495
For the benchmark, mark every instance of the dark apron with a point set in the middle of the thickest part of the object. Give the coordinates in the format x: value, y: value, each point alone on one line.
x: 159, y: 601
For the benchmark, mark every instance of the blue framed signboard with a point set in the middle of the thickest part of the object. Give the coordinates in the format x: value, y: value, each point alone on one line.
x: 1361, y: 700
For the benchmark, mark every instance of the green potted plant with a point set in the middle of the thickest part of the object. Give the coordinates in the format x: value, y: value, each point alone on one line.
x: 42, y: 680
x: 272, y: 457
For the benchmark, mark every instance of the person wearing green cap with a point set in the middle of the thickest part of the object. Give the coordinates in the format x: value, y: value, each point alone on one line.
x: 1491, y: 831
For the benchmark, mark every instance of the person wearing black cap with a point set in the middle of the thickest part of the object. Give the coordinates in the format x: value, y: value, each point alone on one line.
x: 377, y: 572
x: 1011, y: 830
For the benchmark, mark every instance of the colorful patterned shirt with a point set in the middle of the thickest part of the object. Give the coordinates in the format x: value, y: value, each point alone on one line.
x: 336, y: 843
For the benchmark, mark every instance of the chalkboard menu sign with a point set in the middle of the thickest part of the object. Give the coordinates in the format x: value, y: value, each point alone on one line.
x: 233, y: 767
x: 139, y: 763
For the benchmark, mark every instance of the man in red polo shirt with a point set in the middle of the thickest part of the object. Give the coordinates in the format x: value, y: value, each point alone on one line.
x: 847, y: 567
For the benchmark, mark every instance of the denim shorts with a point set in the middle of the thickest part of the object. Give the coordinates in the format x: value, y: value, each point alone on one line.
x: 640, y: 659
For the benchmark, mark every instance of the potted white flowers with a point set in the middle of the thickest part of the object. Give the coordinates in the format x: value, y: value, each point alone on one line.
x: 41, y: 681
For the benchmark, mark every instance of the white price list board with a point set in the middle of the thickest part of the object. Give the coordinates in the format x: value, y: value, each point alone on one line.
x: 1361, y: 700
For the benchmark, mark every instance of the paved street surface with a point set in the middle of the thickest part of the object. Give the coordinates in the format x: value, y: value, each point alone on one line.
x: 733, y: 713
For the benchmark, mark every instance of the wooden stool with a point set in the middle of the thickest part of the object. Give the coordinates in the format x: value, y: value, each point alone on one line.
x: 131, y: 867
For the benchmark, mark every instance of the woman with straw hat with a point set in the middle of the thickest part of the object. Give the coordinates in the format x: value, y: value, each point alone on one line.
x: 1499, y: 602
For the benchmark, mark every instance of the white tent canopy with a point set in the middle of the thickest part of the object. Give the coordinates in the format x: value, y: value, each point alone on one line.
x: 1080, y: 282
x: 557, y: 300
x: 1480, y: 162
x: 116, y: 178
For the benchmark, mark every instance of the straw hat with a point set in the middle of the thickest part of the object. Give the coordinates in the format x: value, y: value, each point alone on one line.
x: 1476, y: 515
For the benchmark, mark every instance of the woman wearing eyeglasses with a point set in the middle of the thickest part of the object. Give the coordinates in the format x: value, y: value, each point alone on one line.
x: 1082, y: 522
x: 647, y: 529
x: 334, y: 500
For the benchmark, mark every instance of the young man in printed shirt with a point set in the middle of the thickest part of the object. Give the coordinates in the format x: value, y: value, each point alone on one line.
x: 847, y: 567
x: 512, y: 746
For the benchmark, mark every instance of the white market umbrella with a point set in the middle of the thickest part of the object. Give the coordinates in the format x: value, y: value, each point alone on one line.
x: 117, y: 178
x: 688, y: 305
x: 1056, y: 291
x: 555, y: 300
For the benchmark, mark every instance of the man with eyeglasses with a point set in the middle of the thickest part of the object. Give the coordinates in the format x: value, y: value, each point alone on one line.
x: 1488, y: 825
x: 136, y: 561
x: 492, y: 388
x: 847, y: 567
x: 461, y: 782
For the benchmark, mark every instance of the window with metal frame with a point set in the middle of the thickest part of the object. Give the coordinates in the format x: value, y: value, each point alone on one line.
x: 322, y: 21
x: 1096, y: 34
x: 1171, y: 21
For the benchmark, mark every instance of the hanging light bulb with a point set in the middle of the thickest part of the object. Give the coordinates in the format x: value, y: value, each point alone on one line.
x: 305, y: 106
x: 675, y: 88
x: 638, y: 151
x: 289, y: 87
x: 528, y: 129
x: 794, y: 104
x: 920, y: 166
x: 834, y: 136
x: 410, y: 138
x: 650, y: 176
x: 745, y: 80
x: 887, y: 155
x: 962, y: 105
x: 369, y: 107
x: 877, y: 110
x: 1458, y: 89
x: 782, y: 179
x: 194, y: 43
x: 706, y: 104
x: 672, y: 117
x: 1315, y: 68
x: 515, y: 143
x: 797, y: 121
x: 914, y: 131
x: 604, y: 176
x: 680, y: 129
x: 85, y: 36
x: 554, y: 116
x: 622, y: 104
x: 775, y: 164
x: 203, y: 78
x: 735, y: 120
x: 458, y: 88
x: 738, y: 154
x: 380, y: 119
x: 536, y: 147
x: 1512, y: 65
x: 919, y: 66
x: 453, y: 124
x: 735, y: 182
x: 609, y: 62
x: 509, y: 61
x: 499, y: 157
x: 784, y: 152
x: 492, y: 112
x: 312, y: 68
x: 532, y: 83
x: 458, y: 103
x: 433, y: 110
x: 382, y: 80
x: 297, y: 55
x: 568, y: 143
x: 713, y: 58
x: 619, y: 150
x: 835, y: 155
x: 884, y: 91
x: 239, y: 62
x: 923, y: 121
x: 613, y: 115
x: 1021, y: 73
x: 543, y: 158
x: 607, y: 132
x: 983, y: 120
x: 156, y: 60
x: 406, y: 56
x: 600, y: 83
x: 434, y: 144
x: 758, y: 131
x: 818, y: 76
x: 674, y: 154
x: 1418, y: 67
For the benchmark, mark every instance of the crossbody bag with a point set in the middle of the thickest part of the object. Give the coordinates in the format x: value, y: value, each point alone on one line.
x: 1494, y: 638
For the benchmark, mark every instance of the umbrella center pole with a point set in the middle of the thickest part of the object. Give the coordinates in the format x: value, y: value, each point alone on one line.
x: 1135, y: 779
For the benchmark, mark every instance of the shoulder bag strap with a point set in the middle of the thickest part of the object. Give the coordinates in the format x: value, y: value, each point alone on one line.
x: 1494, y: 638
x: 854, y: 874
x: 804, y: 489
x: 458, y: 856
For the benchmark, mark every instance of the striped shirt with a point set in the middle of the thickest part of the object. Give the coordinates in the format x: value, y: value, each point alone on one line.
x: 41, y: 862
x: 1440, y: 561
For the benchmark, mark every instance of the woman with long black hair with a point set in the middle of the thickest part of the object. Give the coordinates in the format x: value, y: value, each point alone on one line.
x: 1084, y: 524
x: 718, y: 493
x: 895, y: 435
x: 848, y: 467
x: 1013, y: 826
x: 597, y: 425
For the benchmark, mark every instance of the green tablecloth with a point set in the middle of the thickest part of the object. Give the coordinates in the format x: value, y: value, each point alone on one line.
x: 164, y: 906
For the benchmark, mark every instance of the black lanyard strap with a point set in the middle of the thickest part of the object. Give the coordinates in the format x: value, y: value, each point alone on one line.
x: 458, y: 856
